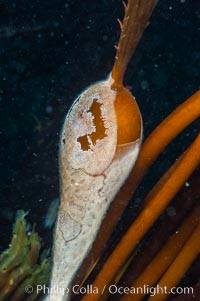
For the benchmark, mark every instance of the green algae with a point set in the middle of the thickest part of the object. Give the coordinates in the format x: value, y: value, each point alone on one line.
x: 22, y: 265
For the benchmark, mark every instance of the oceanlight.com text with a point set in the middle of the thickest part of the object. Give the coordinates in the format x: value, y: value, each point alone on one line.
x: 112, y: 289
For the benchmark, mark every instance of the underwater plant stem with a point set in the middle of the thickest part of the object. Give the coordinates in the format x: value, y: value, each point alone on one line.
x: 137, y: 13
x: 183, y: 169
x: 179, y: 209
x: 180, y: 265
x: 166, y: 255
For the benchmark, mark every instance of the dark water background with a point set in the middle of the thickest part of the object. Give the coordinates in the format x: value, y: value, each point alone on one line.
x: 50, y: 51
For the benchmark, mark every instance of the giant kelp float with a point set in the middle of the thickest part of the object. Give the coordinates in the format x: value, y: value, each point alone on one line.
x: 100, y: 143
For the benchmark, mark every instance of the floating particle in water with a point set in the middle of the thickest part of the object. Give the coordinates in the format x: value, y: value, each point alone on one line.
x: 171, y: 211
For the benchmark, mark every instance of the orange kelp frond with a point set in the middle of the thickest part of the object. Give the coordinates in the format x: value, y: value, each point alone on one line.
x: 137, y: 13
x: 166, y: 255
x: 180, y: 265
